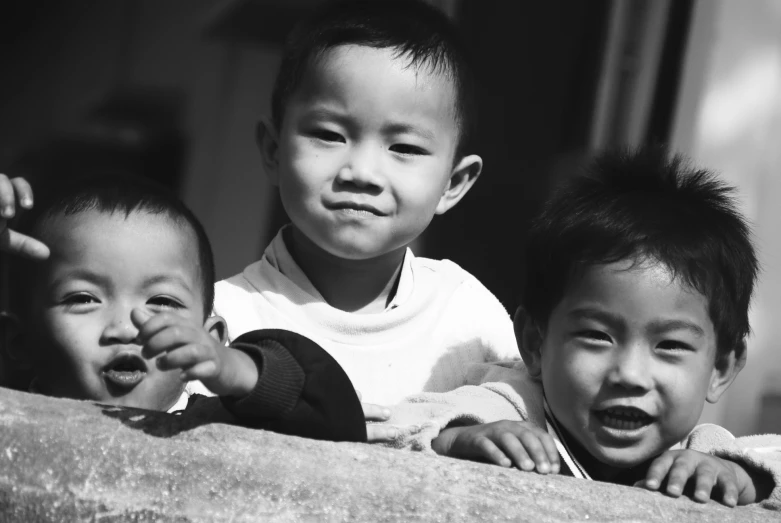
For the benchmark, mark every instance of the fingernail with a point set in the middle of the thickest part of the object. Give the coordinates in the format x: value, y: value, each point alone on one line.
x: 8, y: 211
x: 544, y: 468
x: 729, y: 500
x: 527, y: 464
x: 386, y: 413
x: 26, y: 202
x: 555, y: 468
x: 674, y: 489
x: 652, y: 483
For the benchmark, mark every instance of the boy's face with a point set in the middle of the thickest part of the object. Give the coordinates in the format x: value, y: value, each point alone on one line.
x: 101, y: 267
x: 627, y: 361
x: 365, y: 153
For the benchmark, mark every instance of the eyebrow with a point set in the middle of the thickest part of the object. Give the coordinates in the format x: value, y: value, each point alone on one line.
x: 670, y: 325
x: 326, y: 113
x: 166, y: 278
x: 404, y: 128
x: 656, y: 326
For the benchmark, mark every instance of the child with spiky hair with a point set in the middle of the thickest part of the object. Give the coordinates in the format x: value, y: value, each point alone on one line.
x: 368, y: 141
x: 639, y: 277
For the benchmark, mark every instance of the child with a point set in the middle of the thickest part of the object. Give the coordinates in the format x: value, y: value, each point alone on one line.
x: 635, y: 313
x: 119, y: 313
x: 369, y: 140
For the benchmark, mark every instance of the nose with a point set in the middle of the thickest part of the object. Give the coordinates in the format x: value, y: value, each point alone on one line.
x: 119, y: 328
x: 631, y: 367
x: 362, y: 169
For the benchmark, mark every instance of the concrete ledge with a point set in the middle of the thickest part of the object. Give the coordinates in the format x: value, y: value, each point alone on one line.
x: 64, y: 460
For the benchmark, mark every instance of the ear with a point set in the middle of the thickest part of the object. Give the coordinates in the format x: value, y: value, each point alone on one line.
x: 725, y: 371
x: 217, y: 328
x: 529, y: 338
x: 462, y: 178
x: 267, y: 140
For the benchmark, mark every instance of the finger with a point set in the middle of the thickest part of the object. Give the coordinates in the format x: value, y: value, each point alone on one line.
x: 151, y: 323
x: 679, y: 475
x: 538, y: 454
x: 488, y: 450
x: 184, y: 357
x: 657, y: 472
x: 204, y: 370
x: 24, y: 193
x: 7, y: 200
x: 550, y: 449
x: 14, y: 242
x: 373, y: 412
x: 729, y: 490
x: 514, y: 449
x: 139, y: 317
x: 705, y: 478
x: 172, y: 337
x: 377, y: 433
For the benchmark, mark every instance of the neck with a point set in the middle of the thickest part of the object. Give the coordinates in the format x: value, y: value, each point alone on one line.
x: 359, y: 286
x: 602, y: 471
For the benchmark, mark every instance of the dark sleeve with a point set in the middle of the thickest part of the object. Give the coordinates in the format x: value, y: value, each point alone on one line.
x: 301, y: 389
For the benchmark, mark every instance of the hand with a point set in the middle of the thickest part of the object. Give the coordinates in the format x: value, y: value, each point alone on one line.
x: 11, y: 191
x: 702, y: 471
x: 504, y: 443
x: 375, y: 432
x: 182, y: 344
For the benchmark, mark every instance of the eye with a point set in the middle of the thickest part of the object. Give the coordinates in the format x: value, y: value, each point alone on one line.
x: 408, y: 150
x: 593, y: 336
x: 79, y: 298
x: 674, y: 345
x: 165, y: 302
x: 326, y: 135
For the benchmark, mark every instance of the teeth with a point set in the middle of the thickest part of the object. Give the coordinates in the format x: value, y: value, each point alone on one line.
x: 623, y: 424
x: 623, y: 413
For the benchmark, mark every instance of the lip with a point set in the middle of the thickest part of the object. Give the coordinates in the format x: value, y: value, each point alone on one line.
x: 125, y: 370
x: 623, y: 422
x: 355, y: 208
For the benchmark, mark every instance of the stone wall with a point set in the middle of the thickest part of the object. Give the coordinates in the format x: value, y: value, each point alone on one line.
x: 64, y: 460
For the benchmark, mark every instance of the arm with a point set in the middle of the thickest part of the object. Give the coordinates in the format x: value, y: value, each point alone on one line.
x: 16, y: 192
x: 300, y: 390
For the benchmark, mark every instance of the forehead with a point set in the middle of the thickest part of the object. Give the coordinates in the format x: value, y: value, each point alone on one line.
x: 379, y: 80
x: 140, y: 242
x: 641, y: 292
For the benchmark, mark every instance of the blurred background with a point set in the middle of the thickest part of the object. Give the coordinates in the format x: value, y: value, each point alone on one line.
x: 172, y: 90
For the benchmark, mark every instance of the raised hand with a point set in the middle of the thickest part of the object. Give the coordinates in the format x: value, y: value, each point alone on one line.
x: 183, y: 344
x: 16, y: 194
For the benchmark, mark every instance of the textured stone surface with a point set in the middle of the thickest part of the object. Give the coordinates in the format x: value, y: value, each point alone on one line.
x: 65, y: 460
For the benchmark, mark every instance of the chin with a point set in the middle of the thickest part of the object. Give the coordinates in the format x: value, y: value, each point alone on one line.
x: 624, y: 458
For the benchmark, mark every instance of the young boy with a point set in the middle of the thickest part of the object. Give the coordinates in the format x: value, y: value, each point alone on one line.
x: 635, y: 313
x: 119, y: 313
x: 369, y: 139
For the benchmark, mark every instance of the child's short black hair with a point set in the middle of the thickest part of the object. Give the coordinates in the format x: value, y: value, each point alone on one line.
x: 121, y: 194
x: 418, y: 32
x: 642, y: 205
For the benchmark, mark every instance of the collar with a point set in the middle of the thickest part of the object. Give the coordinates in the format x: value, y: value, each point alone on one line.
x: 279, y: 257
x: 570, y: 462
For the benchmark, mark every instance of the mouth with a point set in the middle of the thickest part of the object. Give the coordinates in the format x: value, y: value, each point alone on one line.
x: 126, y: 370
x: 357, y: 209
x: 624, y: 419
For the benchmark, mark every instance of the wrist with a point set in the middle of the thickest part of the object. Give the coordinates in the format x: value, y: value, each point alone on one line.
x: 241, y: 373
